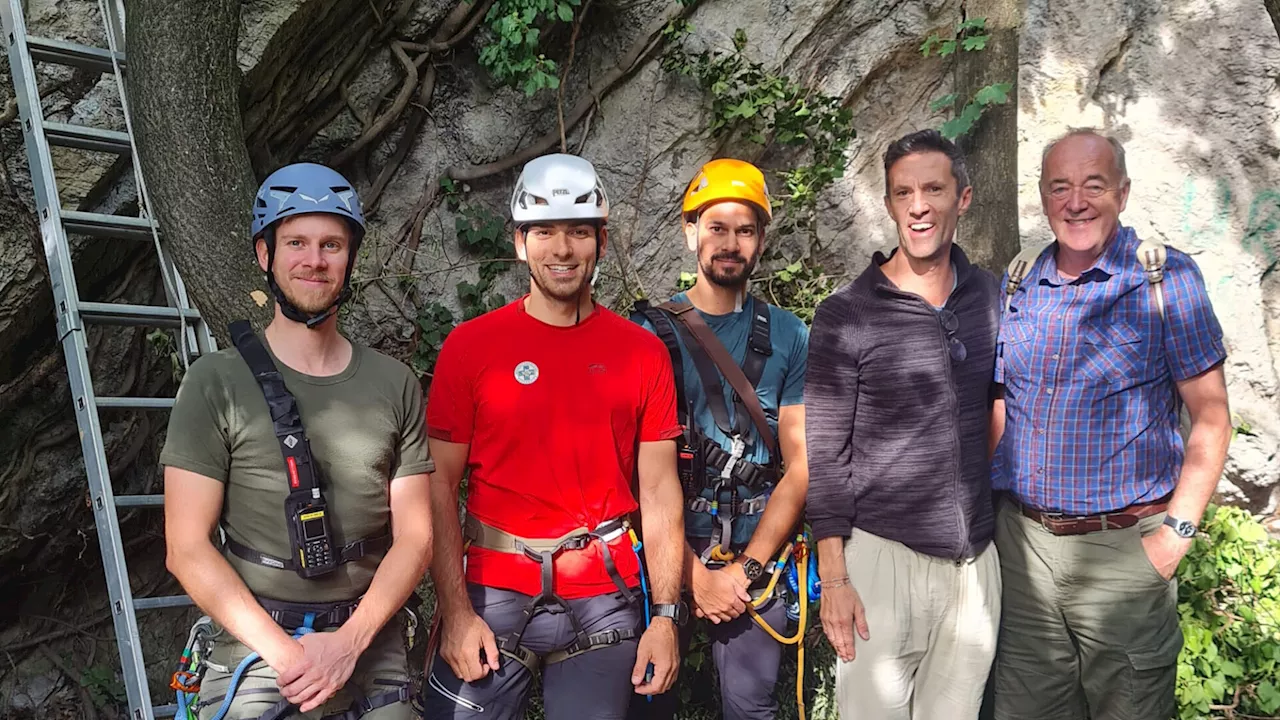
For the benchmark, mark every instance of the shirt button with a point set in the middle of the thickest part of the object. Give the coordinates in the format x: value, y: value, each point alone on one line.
x: 1040, y: 431
x: 1049, y: 390
x: 1039, y: 471
x: 1056, y: 356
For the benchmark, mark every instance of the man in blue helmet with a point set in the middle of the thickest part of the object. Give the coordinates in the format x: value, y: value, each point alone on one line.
x: 309, y: 453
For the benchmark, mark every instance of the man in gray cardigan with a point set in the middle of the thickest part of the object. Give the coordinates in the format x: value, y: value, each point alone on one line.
x: 898, y: 396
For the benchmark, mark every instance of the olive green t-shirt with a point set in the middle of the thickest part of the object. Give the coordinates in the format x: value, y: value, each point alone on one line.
x: 366, y: 426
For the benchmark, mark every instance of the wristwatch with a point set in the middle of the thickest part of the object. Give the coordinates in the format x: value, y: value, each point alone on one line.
x: 1184, y: 528
x: 751, y: 568
x: 678, y: 612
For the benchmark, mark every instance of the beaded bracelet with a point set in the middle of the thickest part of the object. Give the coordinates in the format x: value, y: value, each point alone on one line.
x: 834, y: 582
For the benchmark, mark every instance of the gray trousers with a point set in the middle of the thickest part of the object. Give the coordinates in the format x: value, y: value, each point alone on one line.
x: 595, y: 685
x: 1089, y: 629
x: 747, y: 660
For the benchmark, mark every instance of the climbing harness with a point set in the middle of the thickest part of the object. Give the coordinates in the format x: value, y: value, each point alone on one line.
x: 1151, y: 254
x: 702, y: 463
x: 543, y: 551
x: 313, y: 550
x: 793, y: 562
x: 300, y: 619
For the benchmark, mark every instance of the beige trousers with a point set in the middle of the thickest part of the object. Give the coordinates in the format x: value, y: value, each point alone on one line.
x: 933, y: 624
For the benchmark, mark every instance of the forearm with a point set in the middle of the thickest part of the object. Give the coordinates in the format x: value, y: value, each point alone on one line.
x: 781, y: 515
x: 1206, y: 455
x: 446, y: 561
x: 996, y: 430
x: 398, y: 574
x: 662, y: 510
x: 831, y: 559
x: 221, y: 594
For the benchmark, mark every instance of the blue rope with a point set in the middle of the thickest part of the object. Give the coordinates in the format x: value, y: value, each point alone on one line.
x: 644, y: 591
x: 246, y: 663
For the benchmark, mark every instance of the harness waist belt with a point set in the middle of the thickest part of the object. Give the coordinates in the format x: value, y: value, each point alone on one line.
x: 747, y: 473
x: 1060, y: 524
x: 349, y: 553
x: 290, y: 615
x: 750, y: 506
x: 488, y: 537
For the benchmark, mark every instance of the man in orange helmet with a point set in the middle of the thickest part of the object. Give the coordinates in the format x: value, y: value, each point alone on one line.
x: 739, y: 370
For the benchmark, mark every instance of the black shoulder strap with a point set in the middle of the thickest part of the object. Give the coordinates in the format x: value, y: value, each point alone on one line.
x: 759, y: 345
x: 294, y: 445
x: 665, y: 330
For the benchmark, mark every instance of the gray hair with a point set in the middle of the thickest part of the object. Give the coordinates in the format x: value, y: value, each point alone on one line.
x: 1117, y: 149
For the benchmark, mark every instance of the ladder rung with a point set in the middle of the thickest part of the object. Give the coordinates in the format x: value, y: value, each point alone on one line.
x: 165, y: 711
x: 135, y: 403
x: 164, y: 601
x: 108, y: 226
x: 73, y: 54
x: 140, y: 315
x: 87, y: 138
x: 124, y: 501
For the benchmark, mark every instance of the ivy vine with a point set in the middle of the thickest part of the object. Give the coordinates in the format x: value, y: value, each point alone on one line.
x: 970, y: 36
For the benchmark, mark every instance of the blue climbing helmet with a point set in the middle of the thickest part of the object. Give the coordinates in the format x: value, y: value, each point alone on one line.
x: 298, y: 189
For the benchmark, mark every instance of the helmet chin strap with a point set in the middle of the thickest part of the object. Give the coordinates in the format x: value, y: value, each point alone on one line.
x: 287, y: 308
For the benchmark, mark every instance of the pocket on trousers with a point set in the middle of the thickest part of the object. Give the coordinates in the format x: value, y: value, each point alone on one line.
x: 1153, y: 679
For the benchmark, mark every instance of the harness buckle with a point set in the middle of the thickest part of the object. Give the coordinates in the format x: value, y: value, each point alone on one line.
x: 737, y: 448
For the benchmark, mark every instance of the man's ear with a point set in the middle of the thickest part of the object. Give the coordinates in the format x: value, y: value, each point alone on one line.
x: 691, y: 235
x: 521, y: 253
x: 602, y: 241
x: 966, y: 197
x: 260, y: 249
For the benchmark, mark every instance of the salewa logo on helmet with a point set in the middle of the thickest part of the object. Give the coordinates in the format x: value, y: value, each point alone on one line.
x: 317, y: 201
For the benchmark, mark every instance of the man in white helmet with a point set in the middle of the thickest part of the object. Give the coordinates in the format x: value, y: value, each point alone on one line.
x: 554, y: 404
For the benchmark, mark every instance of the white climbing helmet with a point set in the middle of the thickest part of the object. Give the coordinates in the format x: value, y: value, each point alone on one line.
x: 558, y: 187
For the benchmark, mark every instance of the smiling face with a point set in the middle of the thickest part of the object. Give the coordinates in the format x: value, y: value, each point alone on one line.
x: 727, y: 238
x: 924, y: 204
x: 310, y: 263
x: 561, y: 256
x: 1083, y: 192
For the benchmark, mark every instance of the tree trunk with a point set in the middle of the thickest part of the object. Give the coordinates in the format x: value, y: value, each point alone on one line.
x: 1273, y: 9
x: 184, y: 89
x: 989, y: 232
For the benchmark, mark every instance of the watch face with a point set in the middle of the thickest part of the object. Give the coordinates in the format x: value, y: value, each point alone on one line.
x: 1185, y: 528
x: 752, y: 568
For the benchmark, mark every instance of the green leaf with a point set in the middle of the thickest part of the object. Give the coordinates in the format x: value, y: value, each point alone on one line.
x: 948, y: 47
x: 929, y: 43
x: 979, y: 23
x: 997, y: 94
x: 565, y: 11
x: 943, y: 102
x: 976, y: 42
x: 1268, y: 697
x: 739, y: 39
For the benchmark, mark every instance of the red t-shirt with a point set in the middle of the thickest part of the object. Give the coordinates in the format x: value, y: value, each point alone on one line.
x: 553, y: 416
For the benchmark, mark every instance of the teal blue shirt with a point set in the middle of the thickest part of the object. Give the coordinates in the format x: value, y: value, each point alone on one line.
x: 781, y: 384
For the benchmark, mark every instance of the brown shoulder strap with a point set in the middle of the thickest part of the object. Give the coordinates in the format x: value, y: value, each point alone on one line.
x: 711, y: 345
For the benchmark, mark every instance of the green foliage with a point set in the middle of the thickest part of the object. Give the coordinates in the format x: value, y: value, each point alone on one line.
x: 970, y: 36
x: 799, y: 287
x: 481, y: 234
x: 512, y: 57
x: 1229, y: 602
x: 752, y: 102
x: 106, y: 690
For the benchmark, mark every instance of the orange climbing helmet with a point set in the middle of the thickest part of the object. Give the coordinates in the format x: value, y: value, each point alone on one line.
x: 727, y: 179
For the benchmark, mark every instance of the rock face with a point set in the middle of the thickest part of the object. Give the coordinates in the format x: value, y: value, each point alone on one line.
x: 1190, y: 87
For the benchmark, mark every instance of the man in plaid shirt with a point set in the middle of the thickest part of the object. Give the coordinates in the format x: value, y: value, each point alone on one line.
x: 1101, y: 498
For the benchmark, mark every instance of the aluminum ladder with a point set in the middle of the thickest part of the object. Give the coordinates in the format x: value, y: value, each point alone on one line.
x: 72, y: 313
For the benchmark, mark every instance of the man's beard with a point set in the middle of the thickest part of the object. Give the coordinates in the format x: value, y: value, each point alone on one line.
x: 734, y: 278
x: 560, y: 292
x: 312, y: 302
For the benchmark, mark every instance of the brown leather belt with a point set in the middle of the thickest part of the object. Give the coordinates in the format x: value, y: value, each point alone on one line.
x: 1060, y: 524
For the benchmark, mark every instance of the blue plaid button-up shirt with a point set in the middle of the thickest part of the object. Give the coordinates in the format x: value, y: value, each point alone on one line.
x: 1089, y: 371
